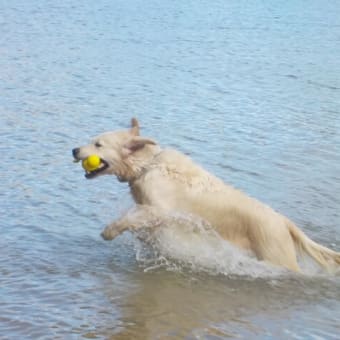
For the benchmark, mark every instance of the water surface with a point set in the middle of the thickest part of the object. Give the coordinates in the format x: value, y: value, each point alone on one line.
x: 250, y: 90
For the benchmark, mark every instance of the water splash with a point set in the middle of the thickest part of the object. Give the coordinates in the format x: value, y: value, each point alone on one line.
x: 184, y: 242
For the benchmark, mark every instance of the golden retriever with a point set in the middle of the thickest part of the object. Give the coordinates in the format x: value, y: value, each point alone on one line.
x: 164, y: 180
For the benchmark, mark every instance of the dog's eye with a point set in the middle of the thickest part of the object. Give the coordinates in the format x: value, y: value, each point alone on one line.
x: 98, y: 144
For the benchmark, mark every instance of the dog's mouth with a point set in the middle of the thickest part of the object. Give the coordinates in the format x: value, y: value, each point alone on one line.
x: 93, y: 173
x: 102, y: 167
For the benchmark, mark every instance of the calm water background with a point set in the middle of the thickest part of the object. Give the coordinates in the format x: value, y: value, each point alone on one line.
x: 249, y: 89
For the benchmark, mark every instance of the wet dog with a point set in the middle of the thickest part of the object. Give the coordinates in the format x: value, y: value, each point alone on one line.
x: 165, y: 180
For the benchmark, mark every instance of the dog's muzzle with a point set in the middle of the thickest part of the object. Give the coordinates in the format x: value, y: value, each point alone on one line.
x: 90, y: 174
x: 75, y: 153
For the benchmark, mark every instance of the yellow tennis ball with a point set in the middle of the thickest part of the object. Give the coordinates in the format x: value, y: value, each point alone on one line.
x: 91, y: 163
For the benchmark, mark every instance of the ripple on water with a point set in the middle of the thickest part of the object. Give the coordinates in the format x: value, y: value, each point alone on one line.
x: 248, y: 89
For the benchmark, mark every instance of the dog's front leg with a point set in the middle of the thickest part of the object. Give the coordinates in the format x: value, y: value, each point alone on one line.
x: 114, y: 229
x: 139, y: 217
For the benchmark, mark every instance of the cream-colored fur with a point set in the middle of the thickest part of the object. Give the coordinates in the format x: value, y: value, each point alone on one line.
x: 166, y: 180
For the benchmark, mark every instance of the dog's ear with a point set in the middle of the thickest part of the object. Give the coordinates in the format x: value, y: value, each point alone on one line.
x: 136, y: 143
x: 134, y: 127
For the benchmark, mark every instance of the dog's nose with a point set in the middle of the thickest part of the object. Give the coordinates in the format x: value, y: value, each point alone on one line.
x: 75, y: 152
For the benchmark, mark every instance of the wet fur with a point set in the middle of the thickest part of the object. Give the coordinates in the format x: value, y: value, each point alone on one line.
x: 164, y: 180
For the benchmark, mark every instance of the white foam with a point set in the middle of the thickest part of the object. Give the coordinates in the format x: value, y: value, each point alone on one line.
x: 184, y: 242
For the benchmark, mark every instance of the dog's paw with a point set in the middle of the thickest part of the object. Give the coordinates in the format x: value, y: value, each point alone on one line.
x: 109, y: 233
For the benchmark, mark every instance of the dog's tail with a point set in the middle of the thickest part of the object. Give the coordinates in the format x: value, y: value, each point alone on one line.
x: 327, y: 258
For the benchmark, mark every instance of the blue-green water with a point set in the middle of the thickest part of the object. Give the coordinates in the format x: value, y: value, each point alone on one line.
x: 251, y: 90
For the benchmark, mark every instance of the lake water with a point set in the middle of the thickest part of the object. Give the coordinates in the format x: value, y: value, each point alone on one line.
x: 249, y: 89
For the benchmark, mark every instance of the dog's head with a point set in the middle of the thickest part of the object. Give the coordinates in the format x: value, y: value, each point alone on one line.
x: 121, y: 153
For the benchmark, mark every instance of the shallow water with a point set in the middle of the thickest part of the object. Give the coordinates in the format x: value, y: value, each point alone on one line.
x: 250, y: 90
